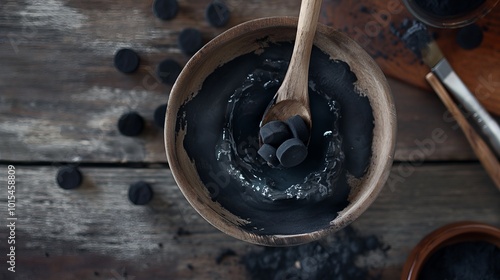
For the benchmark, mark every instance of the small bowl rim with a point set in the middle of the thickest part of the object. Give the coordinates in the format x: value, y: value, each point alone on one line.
x: 453, y: 21
x: 381, y: 172
x: 443, y: 237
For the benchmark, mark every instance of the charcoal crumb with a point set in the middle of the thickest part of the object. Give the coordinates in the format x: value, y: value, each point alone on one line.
x: 96, y: 273
x: 335, y: 257
x: 413, y: 34
x: 190, y: 266
x: 224, y: 254
x: 183, y: 232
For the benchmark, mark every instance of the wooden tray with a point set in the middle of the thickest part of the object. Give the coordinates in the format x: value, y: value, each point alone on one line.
x: 368, y: 22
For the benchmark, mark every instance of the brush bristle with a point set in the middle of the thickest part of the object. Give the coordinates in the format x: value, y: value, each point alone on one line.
x: 431, y: 54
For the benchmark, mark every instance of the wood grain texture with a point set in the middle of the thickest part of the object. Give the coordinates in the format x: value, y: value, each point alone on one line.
x: 484, y: 153
x: 60, y: 99
x: 74, y: 234
x: 368, y: 22
x: 61, y: 96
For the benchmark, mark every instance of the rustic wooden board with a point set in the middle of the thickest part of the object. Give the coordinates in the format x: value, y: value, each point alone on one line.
x: 81, y: 127
x: 95, y: 232
x: 368, y: 22
x: 61, y: 97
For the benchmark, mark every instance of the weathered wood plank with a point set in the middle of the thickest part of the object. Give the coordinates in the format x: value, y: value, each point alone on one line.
x: 65, y: 234
x: 369, y: 23
x: 61, y: 97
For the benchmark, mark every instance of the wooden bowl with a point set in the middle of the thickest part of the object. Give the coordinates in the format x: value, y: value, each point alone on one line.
x: 247, y: 38
x: 447, y: 235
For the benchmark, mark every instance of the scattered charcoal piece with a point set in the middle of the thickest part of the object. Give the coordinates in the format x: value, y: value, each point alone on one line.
x: 69, y: 177
x: 291, y: 153
x: 131, y: 124
x: 299, y: 128
x: 183, y: 232
x: 127, y: 61
x: 470, y: 37
x: 224, y: 254
x: 364, y: 9
x: 168, y: 70
x: 268, y: 153
x: 190, y: 41
x: 190, y: 266
x: 274, y: 133
x: 159, y: 115
x: 165, y: 9
x: 217, y: 14
x: 140, y: 193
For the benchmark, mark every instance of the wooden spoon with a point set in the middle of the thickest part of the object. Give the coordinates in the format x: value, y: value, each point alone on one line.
x: 292, y: 97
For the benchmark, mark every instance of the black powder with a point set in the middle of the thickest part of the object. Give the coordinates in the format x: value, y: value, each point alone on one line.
x: 413, y: 34
x: 446, y: 8
x: 344, y: 255
x: 465, y: 261
x: 470, y: 37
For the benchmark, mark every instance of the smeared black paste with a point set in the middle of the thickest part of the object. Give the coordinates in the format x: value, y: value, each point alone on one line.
x: 206, y: 116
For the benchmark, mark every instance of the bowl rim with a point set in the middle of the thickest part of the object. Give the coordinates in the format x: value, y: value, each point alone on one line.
x: 355, y: 209
x: 443, y: 237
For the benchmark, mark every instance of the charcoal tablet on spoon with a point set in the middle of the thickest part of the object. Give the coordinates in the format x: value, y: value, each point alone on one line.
x: 268, y: 153
x: 299, y: 128
x: 69, y: 177
x: 168, y: 70
x: 165, y: 9
x: 292, y: 152
x: 274, y: 133
x: 131, y: 124
x: 126, y: 61
x: 190, y: 41
x: 140, y: 193
x: 217, y: 14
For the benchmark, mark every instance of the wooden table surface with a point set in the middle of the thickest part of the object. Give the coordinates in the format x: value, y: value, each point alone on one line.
x: 61, y: 97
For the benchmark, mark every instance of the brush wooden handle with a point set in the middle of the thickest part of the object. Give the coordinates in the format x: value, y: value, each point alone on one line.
x: 482, y: 150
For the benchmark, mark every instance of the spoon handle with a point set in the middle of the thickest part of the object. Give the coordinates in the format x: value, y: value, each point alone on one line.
x: 298, y: 70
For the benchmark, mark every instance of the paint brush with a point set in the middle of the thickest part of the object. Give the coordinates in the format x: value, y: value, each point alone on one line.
x: 418, y: 39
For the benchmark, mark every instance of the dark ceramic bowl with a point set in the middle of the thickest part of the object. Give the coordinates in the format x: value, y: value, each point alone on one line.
x: 272, y: 227
x: 445, y: 236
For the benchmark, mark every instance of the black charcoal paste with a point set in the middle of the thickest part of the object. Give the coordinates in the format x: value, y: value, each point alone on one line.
x: 222, y: 127
x: 447, y: 8
x: 465, y: 261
